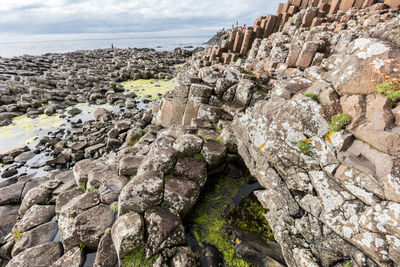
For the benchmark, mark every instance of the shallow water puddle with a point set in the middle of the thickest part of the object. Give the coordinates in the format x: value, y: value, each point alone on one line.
x: 151, y: 87
x: 209, y: 217
x: 27, y: 131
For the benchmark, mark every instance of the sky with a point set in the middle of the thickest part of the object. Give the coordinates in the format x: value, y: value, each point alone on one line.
x: 74, y: 18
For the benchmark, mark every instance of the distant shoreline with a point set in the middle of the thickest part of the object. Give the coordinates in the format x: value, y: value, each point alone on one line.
x: 38, y: 48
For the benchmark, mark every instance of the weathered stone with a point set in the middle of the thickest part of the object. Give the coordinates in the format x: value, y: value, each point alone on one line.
x: 106, y: 255
x: 129, y: 165
x: 367, y: 56
x: 244, y: 91
x: 188, y: 144
x: 24, y: 157
x: 42, y: 255
x: 87, y: 228
x: 80, y: 203
x: 127, y: 233
x: 36, y: 215
x: 214, y: 153
x: 108, y: 182
x: 209, y: 113
x: 73, y: 258
x: 184, y: 258
x: 181, y: 195
x: 11, y: 194
x: 34, y: 196
x: 192, y: 169
x: 66, y: 196
x: 159, y: 159
x: 37, y: 236
x: 8, y: 217
x: 164, y: 230
x: 142, y: 192
x: 307, y: 54
x: 81, y: 170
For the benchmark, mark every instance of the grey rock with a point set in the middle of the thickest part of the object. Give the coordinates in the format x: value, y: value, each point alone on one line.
x: 142, y: 192
x: 192, y: 169
x: 37, y: 236
x: 181, y: 195
x: 127, y: 233
x: 164, y: 230
x: 73, y: 258
x: 36, y: 215
x: 106, y: 255
x: 41, y: 255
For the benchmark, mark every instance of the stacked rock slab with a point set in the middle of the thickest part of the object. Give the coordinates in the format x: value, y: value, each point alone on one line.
x: 316, y: 12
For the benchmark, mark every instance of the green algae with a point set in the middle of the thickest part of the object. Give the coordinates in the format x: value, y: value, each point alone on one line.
x: 209, y: 218
x: 152, y: 87
x: 24, y: 130
x: 250, y: 216
x: 137, y: 258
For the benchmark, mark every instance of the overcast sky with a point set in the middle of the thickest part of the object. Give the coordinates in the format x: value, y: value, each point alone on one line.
x: 182, y: 17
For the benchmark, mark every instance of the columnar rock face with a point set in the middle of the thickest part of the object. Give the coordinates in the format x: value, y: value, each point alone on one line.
x: 302, y: 13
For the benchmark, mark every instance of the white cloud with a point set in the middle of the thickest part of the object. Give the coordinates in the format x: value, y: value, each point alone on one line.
x: 80, y: 16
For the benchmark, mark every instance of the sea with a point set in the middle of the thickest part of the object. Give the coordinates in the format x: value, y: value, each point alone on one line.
x: 39, y: 47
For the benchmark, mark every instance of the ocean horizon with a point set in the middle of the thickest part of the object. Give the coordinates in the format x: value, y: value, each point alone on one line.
x: 64, y: 45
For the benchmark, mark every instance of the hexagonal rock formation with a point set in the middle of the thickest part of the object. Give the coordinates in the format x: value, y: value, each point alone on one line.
x: 127, y: 233
x: 192, y: 169
x: 181, y: 195
x: 164, y: 230
x: 142, y: 192
x: 86, y: 228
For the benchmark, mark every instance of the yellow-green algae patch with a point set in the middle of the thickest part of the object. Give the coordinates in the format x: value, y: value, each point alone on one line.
x: 152, y: 87
x: 24, y: 130
x: 209, y: 218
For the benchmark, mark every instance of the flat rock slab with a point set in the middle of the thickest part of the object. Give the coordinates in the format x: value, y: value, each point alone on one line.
x: 36, y: 215
x: 42, y: 255
x: 39, y: 235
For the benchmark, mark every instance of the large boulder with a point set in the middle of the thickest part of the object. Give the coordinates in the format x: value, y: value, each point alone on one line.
x: 270, y: 138
x: 159, y: 159
x: 108, y: 182
x: 188, y: 144
x: 106, y: 255
x: 181, y: 195
x: 127, y: 233
x: 164, y: 230
x: 142, y: 192
x: 192, y: 169
x: 86, y: 228
x: 36, y: 215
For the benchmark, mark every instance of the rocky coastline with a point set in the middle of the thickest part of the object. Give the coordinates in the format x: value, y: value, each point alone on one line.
x: 278, y: 146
